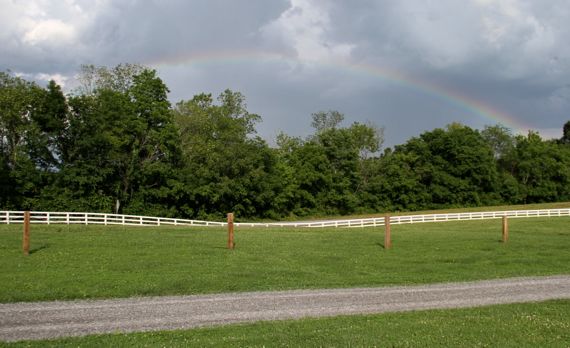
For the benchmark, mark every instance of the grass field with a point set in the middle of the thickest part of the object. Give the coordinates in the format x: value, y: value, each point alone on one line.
x: 70, y: 262
x: 544, y: 324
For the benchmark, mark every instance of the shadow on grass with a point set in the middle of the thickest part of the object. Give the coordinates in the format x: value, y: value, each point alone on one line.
x: 224, y: 247
x: 40, y: 248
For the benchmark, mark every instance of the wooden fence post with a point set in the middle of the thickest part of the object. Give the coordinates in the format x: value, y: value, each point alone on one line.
x: 231, y: 230
x: 26, y: 238
x: 505, y: 229
x: 387, y: 234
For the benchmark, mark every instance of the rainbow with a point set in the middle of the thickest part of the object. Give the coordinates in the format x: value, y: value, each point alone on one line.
x: 471, y: 105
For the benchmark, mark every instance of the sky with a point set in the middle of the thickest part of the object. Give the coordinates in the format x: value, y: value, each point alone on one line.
x: 406, y: 65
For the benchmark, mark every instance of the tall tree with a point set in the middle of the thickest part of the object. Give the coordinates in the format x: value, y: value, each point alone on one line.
x: 456, y: 166
x: 20, y: 140
x: 147, y: 141
x: 119, y: 78
x: 119, y: 146
x: 18, y: 102
x: 226, y: 166
x: 500, y: 138
x: 51, y: 121
x: 566, y: 133
x: 331, y: 168
x: 542, y: 169
x: 398, y: 182
x: 325, y: 120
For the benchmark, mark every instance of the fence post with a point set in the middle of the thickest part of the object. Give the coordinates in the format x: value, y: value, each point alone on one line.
x: 387, y: 234
x: 26, y: 238
x: 231, y: 231
x: 505, y: 229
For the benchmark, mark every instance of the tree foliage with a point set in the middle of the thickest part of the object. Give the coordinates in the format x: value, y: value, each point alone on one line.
x: 566, y: 134
x: 226, y: 167
x: 117, y: 144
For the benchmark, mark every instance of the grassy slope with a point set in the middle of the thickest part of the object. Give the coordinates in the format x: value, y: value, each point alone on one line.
x: 98, y: 262
x: 519, y: 325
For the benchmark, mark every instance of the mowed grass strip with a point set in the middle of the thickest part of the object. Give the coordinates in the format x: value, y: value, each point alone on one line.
x: 544, y: 324
x: 74, y: 262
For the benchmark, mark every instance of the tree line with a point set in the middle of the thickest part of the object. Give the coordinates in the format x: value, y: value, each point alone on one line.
x: 116, y: 144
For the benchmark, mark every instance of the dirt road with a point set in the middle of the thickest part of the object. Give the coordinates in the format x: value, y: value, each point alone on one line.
x: 40, y: 320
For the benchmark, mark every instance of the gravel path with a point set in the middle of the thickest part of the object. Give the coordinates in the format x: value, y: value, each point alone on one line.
x: 41, y: 320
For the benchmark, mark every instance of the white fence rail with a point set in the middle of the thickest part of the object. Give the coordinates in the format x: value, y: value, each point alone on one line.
x: 48, y: 218
x: 411, y: 219
x: 37, y: 217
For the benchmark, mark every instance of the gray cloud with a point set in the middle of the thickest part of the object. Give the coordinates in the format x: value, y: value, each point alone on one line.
x: 510, y: 55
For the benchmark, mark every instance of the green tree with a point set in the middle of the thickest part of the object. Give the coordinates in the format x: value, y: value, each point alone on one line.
x: 330, y: 169
x: 368, y: 138
x: 455, y: 165
x: 21, y: 141
x: 502, y: 141
x: 147, y: 144
x: 85, y: 181
x: 397, y: 184
x: 542, y: 169
x: 566, y: 133
x: 310, y: 177
x: 500, y: 138
x: 325, y: 120
x: 119, y: 147
x: 50, y: 119
x: 18, y: 102
x: 119, y: 78
x: 227, y: 167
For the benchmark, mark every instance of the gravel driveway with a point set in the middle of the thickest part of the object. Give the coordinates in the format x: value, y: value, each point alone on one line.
x: 41, y: 320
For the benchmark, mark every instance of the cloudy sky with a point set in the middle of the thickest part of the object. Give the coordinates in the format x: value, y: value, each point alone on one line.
x: 407, y: 65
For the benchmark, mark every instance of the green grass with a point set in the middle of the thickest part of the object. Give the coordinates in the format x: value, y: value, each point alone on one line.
x: 544, y: 324
x: 71, y: 262
x: 556, y: 205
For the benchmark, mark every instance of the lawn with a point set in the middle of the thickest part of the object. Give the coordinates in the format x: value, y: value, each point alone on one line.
x: 544, y: 324
x: 71, y: 262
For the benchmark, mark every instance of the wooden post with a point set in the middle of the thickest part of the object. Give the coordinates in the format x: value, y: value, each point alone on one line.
x: 26, y: 238
x: 231, y: 230
x: 387, y: 234
x: 505, y: 229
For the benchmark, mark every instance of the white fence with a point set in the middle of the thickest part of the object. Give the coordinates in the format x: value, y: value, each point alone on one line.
x: 36, y: 217
x: 411, y: 219
x: 42, y: 217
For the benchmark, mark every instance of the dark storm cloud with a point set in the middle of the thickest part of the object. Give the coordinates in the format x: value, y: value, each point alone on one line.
x: 510, y: 55
x: 146, y: 30
x: 38, y: 36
